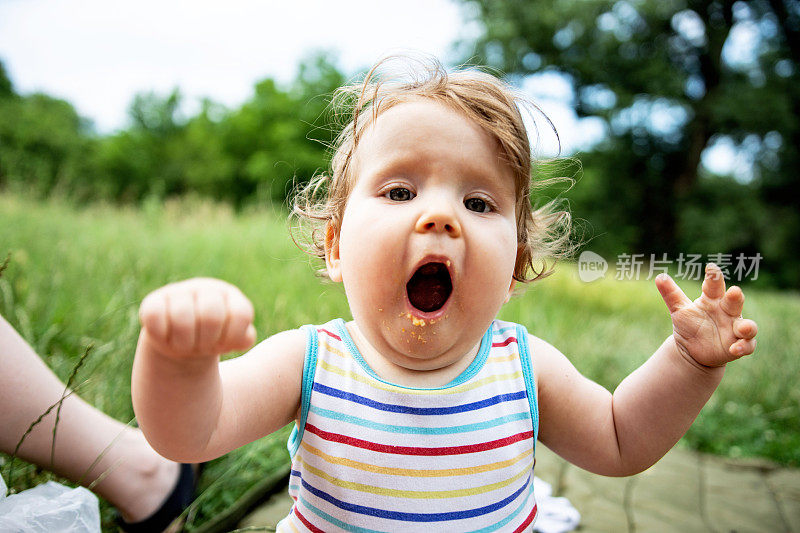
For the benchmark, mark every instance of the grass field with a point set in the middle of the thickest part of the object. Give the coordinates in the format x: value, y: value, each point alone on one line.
x: 77, y: 275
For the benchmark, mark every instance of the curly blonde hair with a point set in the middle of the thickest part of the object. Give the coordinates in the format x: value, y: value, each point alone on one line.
x: 542, y: 233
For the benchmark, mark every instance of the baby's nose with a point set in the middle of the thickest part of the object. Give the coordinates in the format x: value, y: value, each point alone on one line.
x: 439, y: 219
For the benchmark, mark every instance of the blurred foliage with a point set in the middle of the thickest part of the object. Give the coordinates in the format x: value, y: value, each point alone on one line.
x: 251, y: 153
x: 668, y: 79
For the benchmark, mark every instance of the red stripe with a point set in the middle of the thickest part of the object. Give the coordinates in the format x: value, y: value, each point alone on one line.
x: 527, y: 521
x: 335, y: 336
x: 308, y: 524
x: 504, y: 343
x: 410, y: 450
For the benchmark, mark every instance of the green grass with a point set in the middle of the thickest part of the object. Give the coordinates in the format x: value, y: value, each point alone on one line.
x: 77, y: 275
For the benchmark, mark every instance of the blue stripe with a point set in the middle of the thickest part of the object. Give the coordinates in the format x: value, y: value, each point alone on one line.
x: 503, y: 330
x: 350, y: 527
x: 394, y: 408
x: 509, y: 518
x: 413, y: 517
x: 335, y: 521
x: 418, y: 430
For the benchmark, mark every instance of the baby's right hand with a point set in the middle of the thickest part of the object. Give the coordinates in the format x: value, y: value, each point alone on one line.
x: 197, y: 318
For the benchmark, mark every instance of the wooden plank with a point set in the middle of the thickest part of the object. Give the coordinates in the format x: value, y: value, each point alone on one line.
x: 600, y: 500
x: 667, y: 496
x: 785, y: 487
x: 738, y: 498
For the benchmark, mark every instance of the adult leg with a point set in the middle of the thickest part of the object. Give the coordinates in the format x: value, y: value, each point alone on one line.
x: 135, y: 479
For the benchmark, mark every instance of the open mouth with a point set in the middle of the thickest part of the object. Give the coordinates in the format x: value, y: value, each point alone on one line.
x: 429, y: 287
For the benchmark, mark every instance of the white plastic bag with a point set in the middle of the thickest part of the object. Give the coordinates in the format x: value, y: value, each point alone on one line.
x: 50, y: 507
x: 555, y: 515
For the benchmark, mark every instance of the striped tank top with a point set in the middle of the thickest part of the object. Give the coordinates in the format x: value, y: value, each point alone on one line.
x: 371, y: 456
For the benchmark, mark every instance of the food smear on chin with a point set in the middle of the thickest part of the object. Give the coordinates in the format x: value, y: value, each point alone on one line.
x: 419, y: 322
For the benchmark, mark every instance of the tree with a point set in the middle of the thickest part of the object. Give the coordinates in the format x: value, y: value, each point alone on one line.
x: 278, y: 137
x: 43, y: 141
x: 6, y: 88
x: 670, y: 79
x: 254, y: 152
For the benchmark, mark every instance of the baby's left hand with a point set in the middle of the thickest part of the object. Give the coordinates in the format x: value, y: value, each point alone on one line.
x: 709, y: 330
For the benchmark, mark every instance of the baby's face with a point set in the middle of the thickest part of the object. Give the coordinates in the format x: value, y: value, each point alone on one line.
x: 428, y: 240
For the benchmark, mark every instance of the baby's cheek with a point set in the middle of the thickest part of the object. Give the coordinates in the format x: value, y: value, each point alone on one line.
x: 506, y: 253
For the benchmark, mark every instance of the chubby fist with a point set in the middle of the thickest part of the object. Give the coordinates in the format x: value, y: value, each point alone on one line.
x: 199, y: 317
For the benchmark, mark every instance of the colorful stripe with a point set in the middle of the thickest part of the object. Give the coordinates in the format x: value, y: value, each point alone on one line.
x: 415, y: 494
x: 418, y: 430
x: 528, y: 521
x: 355, y: 529
x: 331, y: 349
x: 406, y: 516
x: 412, y: 450
x: 306, y: 523
x: 329, y: 333
x: 416, y: 472
x: 430, y: 411
x: 502, y: 358
x: 504, y: 343
x: 335, y: 521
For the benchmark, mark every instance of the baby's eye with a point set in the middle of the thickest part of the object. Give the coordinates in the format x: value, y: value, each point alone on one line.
x: 400, y: 194
x: 477, y: 205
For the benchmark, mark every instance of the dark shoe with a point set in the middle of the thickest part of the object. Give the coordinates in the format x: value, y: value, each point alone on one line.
x: 178, y: 500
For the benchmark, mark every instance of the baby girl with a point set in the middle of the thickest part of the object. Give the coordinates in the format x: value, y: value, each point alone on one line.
x: 423, y: 411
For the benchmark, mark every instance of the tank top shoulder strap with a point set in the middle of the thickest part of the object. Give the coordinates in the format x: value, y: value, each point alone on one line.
x: 313, y: 348
x: 509, y: 332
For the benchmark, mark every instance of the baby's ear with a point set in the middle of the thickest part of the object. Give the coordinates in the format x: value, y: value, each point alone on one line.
x: 332, y: 260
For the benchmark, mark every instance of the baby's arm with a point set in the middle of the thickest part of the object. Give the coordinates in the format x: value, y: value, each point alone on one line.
x: 627, y: 432
x: 190, y: 406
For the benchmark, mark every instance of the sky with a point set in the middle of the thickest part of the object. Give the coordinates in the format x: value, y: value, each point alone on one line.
x: 97, y: 54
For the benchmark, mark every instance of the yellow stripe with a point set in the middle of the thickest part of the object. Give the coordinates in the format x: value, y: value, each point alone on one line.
x: 331, y: 349
x: 291, y: 525
x: 414, y: 472
x: 392, y: 388
x: 371, y: 489
x: 502, y: 358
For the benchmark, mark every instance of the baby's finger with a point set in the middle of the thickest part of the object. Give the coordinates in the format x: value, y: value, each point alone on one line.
x: 249, y: 338
x: 210, y: 307
x: 714, y: 282
x: 744, y: 328
x: 153, y: 316
x: 673, y: 296
x: 239, y: 319
x: 733, y: 301
x: 181, y: 317
x: 743, y: 347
